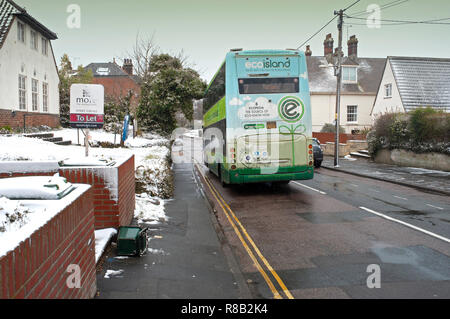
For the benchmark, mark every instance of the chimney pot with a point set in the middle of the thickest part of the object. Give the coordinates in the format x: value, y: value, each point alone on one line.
x: 308, y: 51
x: 328, y: 47
x: 352, y: 45
x: 128, y: 66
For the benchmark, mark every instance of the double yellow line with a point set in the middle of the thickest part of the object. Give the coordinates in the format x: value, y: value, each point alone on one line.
x: 233, y: 220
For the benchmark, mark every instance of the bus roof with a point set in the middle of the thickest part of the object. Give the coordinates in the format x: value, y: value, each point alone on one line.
x: 265, y: 52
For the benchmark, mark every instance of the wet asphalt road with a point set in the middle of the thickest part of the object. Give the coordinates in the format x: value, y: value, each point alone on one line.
x: 320, y: 242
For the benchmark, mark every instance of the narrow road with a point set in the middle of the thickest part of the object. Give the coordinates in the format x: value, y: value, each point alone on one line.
x: 322, y: 238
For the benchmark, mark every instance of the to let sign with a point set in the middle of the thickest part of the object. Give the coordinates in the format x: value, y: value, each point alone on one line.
x: 87, y: 105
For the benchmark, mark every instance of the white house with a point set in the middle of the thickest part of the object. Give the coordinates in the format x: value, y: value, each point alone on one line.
x: 28, y: 72
x: 360, y: 79
x: 411, y: 82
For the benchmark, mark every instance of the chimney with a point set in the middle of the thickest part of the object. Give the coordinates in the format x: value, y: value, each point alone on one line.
x: 128, y: 66
x: 308, y: 51
x: 328, y: 48
x: 352, y: 44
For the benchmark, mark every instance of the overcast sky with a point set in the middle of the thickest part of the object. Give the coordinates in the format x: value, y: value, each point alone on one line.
x: 206, y: 29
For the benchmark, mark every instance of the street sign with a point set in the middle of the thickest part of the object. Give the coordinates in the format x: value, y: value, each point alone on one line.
x: 87, y: 105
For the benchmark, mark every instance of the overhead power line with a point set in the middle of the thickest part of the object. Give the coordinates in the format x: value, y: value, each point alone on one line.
x: 399, y: 22
x: 317, y: 32
x: 382, y: 7
x: 326, y: 25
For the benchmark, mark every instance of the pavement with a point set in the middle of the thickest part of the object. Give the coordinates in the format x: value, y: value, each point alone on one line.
x: 424, y: 179
x: 187, y: 258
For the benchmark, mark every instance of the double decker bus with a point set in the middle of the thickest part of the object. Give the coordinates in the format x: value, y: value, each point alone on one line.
x: 257, y: 118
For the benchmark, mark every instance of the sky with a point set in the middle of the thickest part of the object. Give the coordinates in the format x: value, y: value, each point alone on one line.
x: 205, y: 30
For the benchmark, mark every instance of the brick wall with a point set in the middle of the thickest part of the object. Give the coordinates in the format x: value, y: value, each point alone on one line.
x: 31, y: 120
x: 113, y: 189
x: 37, y: 268
x: 343, y: 138
x: 114, y: 201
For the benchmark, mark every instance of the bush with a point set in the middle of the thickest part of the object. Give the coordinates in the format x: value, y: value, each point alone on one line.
x: 422, y: 130
x: 331, y: 128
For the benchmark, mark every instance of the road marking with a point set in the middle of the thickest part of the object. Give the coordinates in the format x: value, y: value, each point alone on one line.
x: 354, y: 185
x: 313, y: 189
x: 400, y: 197
x: 222, y: 202
x: 374, y: 190
x: 440, y: 208
x: 274, y: 291
x: 274, y: 273
x: 406, y: 224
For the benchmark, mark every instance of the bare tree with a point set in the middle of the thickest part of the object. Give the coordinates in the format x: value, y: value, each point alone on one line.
x: 143, y: 51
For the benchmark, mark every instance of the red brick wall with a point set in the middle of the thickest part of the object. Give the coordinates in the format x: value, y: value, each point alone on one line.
x: 37, y: 268
x: 127, y: 196
x: 109, y: 213
x: 32, y: 119
x: 116, y: 87
x: 343, y: 138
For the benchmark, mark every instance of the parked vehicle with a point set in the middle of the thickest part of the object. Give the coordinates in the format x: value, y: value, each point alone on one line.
x: 318, y: 153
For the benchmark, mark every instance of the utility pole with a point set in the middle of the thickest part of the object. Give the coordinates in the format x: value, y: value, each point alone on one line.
x: 338, y: 68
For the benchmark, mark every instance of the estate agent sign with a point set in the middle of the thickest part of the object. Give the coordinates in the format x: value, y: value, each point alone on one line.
x: 87, y: 105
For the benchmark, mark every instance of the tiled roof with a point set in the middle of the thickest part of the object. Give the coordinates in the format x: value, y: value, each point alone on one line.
x: 422, y: 82
x: 322, y: 79
x: 9, y: 10
x: 106, y: 69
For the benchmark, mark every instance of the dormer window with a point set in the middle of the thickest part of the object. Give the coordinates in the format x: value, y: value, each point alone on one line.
x: 103, y: 71
x: 349, y: 74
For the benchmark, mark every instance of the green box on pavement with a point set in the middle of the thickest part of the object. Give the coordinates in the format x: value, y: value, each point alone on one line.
x: 131, y: 241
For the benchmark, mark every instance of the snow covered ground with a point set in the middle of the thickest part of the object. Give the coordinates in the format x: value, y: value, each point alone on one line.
x: 102, y: 237
x: 152, y: 171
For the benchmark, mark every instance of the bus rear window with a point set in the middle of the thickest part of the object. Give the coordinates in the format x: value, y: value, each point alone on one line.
x: 268, y: 86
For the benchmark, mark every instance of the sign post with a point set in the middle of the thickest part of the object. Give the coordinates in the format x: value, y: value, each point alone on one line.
x: 87, y: 108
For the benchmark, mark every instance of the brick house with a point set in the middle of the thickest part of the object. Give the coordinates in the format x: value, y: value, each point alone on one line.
x: 118, y: 81
x: 28, y: 72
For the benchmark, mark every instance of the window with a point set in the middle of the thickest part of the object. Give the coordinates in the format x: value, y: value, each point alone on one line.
x: 388, y: 90
x: 268, y: 86
x: 216, y: 90
x: 352, y: 113
x: 34, y: 94
x: 349, y: 74
x: 45, y: 97
x: 22, y: 92
x: 34, y: 40
x: 21, y: 32
x: 44, y: 43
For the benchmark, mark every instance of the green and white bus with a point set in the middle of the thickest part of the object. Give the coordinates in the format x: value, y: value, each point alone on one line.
x: 257, y: 118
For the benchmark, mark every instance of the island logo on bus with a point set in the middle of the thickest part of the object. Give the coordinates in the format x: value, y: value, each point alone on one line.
x: 269, y: 64
x: 291, y: 109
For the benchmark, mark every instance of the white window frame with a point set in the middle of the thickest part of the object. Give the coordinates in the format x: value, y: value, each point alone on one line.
x: 34, y: 40
x: 44, y: 97
x: 346, y: 74
x: 355, y: 113
x: 22, y: 92
x: 388, y: 90
x: 34, y: 95
x: 21, y: 32
x: 44, y: 44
